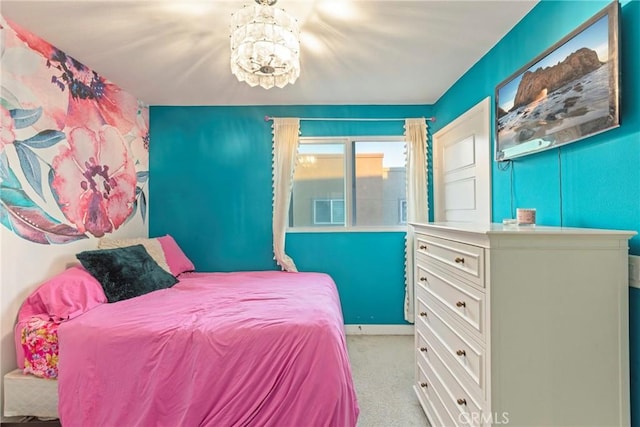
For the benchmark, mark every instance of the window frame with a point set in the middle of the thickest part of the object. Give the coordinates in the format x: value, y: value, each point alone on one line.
x: 349, y: 143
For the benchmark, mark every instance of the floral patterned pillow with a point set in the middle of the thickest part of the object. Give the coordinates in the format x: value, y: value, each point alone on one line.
x: 40, y: 346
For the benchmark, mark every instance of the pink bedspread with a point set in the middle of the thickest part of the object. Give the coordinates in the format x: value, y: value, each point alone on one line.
x: 217, y: 349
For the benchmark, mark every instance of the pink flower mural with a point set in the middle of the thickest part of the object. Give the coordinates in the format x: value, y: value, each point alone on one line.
x: 71, y: 167
x: 93, y: 101
x: 140, y: 143
x: 7, y: 128
x: 95, y: 180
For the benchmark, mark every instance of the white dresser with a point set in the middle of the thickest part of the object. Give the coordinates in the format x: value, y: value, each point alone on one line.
x: 521, y: 326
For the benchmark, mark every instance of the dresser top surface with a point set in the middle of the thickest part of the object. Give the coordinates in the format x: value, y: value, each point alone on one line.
x: 500, y: 229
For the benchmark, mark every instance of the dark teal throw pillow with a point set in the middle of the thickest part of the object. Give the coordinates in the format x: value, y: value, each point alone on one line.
x: 125, y: 272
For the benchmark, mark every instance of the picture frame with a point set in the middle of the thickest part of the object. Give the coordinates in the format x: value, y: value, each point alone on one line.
x: 567, y: 93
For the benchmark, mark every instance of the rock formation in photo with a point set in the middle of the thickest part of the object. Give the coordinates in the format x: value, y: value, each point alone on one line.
x: 546, y: 80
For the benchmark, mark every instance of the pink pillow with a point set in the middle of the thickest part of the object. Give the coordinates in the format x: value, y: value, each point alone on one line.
x: 177, y: 260
x: 63, y: 297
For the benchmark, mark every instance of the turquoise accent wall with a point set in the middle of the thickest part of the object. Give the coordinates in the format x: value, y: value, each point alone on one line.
x: 211, y: 190
x: 601, y: 174
x: 211, y: 169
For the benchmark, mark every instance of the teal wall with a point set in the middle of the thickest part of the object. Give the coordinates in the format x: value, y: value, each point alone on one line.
x: 211, y: 169
x: 601, y: 174
x: 211, y: 190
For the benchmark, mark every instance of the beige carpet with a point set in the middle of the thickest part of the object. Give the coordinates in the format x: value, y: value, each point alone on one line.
x: 383, y: 370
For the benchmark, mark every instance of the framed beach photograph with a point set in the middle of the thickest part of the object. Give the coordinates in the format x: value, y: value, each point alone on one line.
x: 568, y: 93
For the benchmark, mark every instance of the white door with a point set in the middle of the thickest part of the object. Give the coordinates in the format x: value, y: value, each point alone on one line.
x: 462, y: 168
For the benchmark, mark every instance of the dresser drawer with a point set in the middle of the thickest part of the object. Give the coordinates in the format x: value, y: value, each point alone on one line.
x: 463, y: 407
x: 436, y: 412
x: 461, y: 301
x: 459, y: 351
x: 459, y: 258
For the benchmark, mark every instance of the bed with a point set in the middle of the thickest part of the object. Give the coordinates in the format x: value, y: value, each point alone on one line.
x: 263, y: 348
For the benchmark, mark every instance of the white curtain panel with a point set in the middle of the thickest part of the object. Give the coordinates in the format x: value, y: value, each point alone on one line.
x: 417, y: 201
x: 285, y: 148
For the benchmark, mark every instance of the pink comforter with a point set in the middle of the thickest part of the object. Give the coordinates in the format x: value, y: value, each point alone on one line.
x: 217, y: 349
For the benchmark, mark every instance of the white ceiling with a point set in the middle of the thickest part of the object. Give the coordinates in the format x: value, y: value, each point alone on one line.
x: 176, y: 52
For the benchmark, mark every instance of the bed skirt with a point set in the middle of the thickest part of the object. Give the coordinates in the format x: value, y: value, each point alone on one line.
x: 26, y: 395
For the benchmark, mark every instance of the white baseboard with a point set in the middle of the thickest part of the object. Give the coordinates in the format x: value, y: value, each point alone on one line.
x: 378, y: 329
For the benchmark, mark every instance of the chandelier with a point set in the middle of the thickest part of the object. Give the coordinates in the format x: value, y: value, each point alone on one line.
x: 265, y: 45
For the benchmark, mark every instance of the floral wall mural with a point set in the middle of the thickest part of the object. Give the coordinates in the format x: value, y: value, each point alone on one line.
x: 73, y: 145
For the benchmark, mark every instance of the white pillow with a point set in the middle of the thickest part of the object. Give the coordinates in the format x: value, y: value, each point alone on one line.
x: 153, y: 247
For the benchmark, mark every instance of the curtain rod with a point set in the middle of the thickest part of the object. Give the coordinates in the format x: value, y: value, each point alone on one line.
x: 269, y: 118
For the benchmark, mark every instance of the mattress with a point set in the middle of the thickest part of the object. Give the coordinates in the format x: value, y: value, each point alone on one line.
x: 26, y: 395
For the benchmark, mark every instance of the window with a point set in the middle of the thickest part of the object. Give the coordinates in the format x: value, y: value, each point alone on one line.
x: 328, y: 212
x: 402, y: 211
x: 349, y: 182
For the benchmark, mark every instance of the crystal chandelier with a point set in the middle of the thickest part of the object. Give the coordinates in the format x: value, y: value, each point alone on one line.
x: 265, y: 45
